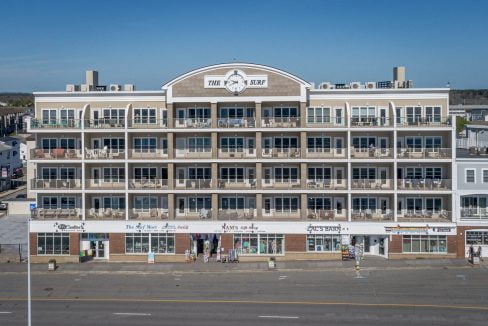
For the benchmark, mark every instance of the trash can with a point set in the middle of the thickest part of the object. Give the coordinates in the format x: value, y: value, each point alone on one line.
x: 51, y: 265
x: 272, y: 263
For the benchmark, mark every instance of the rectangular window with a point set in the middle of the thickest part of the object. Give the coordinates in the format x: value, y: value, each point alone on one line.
x: 424, y: 244
x: 145, y: 144
x: 113, y: 174
x: 199, y: 144
x: 323, y: 243
x: 470, y: 176
x: 259, y: 244
x: 53, y: 243
x: 145, y: 116
x: 485, y: 175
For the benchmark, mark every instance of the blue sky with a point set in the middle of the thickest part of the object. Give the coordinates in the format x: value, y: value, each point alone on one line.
x: 46, y: 44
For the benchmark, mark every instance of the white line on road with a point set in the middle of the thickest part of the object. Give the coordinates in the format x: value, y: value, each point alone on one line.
x: 5, y: 312
x: 280, y: 317
x: 131, y: 314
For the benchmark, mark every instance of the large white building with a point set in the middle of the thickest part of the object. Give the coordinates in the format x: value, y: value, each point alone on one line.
x: 248, y: 157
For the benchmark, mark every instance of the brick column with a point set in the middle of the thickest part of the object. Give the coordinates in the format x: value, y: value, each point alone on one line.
x: 33, y: 244
x: 226, y: 241
x: 295, y: 242
x: 117, y: 243
x: 182, y: 242
x: 74, y: 244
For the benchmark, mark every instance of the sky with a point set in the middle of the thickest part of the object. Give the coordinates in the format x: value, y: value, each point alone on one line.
x: 45, y: 45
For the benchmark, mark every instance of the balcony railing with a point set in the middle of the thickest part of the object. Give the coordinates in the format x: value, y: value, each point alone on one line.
x: 198, y: 123
x: 56, y: 213
x: 148, y: 153
x: 371, y: 153
x: 200, y: 153
x: 372, y: 215
x: 281, y: 184
x: 326, y: 153
x: 424, y: 153
x: 424, y: 184
x: 478, y: 213
x: 194, y: 184
x: 236, y: 214
x: 47, y: 184
x: 101, y: 154
x: 200, y: 214
x: 105, y: 214
x: 282, y: 215
x: 371, y: 184
x: 55, y: 154
x: 149, y: 184
x: 338, y: 122
x: 281, y: 152
x: 105, y: 123
x: 424, y: 216
x: 237, y: 184
x: 290, y: 122
x: 55, y: 124
x: 104, y: 184
x: 329, y: 184
x: 416, y: 121
x: 237, y: 153
x: 368, y: 122
x: 237, y: 123
x: 147, y: 123
x: 326, y: 214
x: 148, y: 214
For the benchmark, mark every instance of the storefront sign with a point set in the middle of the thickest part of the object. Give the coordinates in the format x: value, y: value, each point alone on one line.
x: 332, y: 229
x: 420, y: 230
x: 69, y: 227
x: 236, y: 81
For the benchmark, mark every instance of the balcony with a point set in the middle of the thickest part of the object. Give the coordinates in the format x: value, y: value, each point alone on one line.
x: 424, y: 153
x: 104, y: 154
x: 328, y: 184
x: 197, y: 154
x: 55, y: 154
x: 55, y: 124
x: 196, y: 123
x: 101, y: 184
x: 417, y: 121
x: 155, y: 153
x: 236, y: 214
x: 105, y: 123
x: 237, y: 184
x: 56, y: 214
x: 290, y: 122
x: 326, y: 215
x: 424, y: 184
x: 148, y: 214
x: 105, y: 214
x: 201, y: 214
x: 424, y: 216
x: 326, y: 153
x: 329, y: 122
x: 237, y: 123
x: 193, y: 184
x: 370, y: 122
x: 147, y: 123
x: 49, y: 184
x: 371, y: 153
x: 282, y: 215
x: 372, y: 184
x: 148, y: 184
x: 474, y: 213
x: 281, y: 153
x: 372, y: 215
x: 281, y: 184
x: 237, y: 153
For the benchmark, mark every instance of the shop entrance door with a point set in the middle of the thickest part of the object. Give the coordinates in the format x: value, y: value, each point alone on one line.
x: 98, y: 249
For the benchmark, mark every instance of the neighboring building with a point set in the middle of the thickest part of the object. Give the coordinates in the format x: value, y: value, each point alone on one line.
x: 472, y: 113
x: 11, y: 120
x: 472, y: 190
x: 247, y: 157
x: 9, y: 160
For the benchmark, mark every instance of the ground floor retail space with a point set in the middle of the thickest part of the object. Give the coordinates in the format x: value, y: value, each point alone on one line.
x: 165, y: 242
x: 472, y: 237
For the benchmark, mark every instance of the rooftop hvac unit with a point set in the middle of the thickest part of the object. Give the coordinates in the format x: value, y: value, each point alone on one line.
x: 355, y: 85
x: 370, y: 85
x: 325, y: 85
x: 84, y: 88
x: 115, y: 87
x: 129, y: 88
x: 70, y: 88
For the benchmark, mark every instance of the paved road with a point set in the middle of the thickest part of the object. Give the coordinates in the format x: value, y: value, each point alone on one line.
x: 437, y: 296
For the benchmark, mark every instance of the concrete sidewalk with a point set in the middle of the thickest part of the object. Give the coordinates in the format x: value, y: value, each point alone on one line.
x: 370, y: 263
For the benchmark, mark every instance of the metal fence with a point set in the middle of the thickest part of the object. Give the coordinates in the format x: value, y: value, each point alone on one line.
x: 13, y: 252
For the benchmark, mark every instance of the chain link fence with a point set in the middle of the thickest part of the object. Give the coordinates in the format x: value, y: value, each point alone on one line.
x: 13, y: 253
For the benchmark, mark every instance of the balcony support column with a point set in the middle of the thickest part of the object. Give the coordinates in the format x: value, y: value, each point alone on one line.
x: 170, y: 115
x: 171, y: 176
x: 303, y: 206
x: 303, y: 175
x: 214, y: 144
x: 258, y: 114
x: 259, y: 175
x: 303, y: 144
x: 171, y: 145
x: 171, y: 205
x: 259, y: 206
x: 259, y: 145
x: 215, y: 175
x: 303, y: 114
x: 349, y: 206
x: 215, y: 206
x: 213, y: 115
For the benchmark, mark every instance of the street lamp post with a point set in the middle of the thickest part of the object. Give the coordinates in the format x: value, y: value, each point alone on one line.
x: 29, y: 323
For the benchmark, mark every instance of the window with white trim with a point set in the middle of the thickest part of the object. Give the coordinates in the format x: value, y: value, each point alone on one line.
x: 363, y: 113
x: 145, y: 116
x: 145, y: 173
x: 232, y: 174
x: 470, y: 176
x: 53, y: 243
x: 286, y: 174
x: 259, y: 244
x: 485, y: 175
x: 414, y: 143
x: 319, y: 203
x: 199, y: 144
x: 319, y: 144
x: 145, y: 144
x: 232, y: 144
x: 318, y: 115
x: 323, y: 243
x: 424, y: 244
x: 319, y: 173
x: 113, y: 174
x: 145, y: 203
x: 232, y: 203
x: 286, y: 204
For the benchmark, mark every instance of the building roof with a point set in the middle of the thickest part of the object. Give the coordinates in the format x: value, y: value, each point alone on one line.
x: 4, y: 147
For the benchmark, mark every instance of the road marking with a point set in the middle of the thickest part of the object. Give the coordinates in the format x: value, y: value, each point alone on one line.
x: 280, y: 317
x: 304, y: 303
x: 5, y: 312
x: 462, y: 277
x: 282, y: 277
x: 131, y: 314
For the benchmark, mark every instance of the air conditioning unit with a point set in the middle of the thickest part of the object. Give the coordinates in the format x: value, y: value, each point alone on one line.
x: 370, y: 85
x: 129, y: 87
x: 325, y: 85
x: 115, y: 87
x: 355, y: 85
x: 84, y: 88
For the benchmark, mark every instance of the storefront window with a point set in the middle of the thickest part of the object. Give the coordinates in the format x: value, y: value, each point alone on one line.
x: 162, y: 243
x: 259, y: 244
x: 141, y: 243
x: 323, y: 242
x: 53, y: 244
x: 424, y: 244
x: 477, y: 238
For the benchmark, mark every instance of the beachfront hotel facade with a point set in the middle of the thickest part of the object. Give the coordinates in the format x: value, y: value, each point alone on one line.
x: 242, y: 156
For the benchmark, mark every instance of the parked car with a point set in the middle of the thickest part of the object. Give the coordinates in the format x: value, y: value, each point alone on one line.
x: 3, y: 206
x: 21, y: 196
x: 17, y: 173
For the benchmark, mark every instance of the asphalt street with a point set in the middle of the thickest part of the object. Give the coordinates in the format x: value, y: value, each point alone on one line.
x: 434, y: 296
